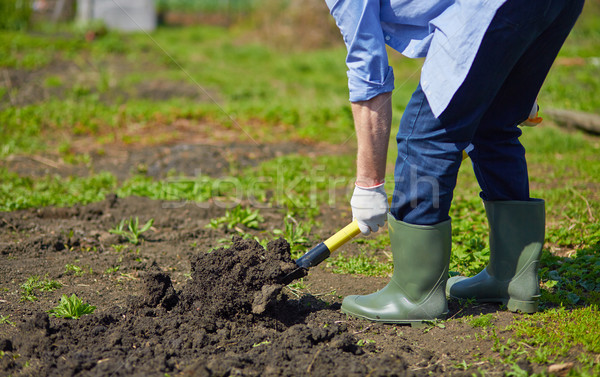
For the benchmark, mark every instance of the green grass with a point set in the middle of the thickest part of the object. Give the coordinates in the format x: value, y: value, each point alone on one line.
x: 14, y: 14
x: 236, y: 217
x: 483, y: 320
x: 253, y: 87
x: 359, y: 265
x: 559, y: 330
x: 18, y: 192
x: 571, y: 85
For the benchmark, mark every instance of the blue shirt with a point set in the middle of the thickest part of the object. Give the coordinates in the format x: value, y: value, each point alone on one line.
x: 446, y: 32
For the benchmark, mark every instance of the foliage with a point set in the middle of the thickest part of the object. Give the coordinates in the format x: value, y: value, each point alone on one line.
x: 73, y: 268
x: 18, y: 192
x: 238, y: 216
x: 484, y: 320
x: 15, y: 14
x: 35, y: 283
x: 133, y: 231
x: 205, y: 5
x: 295, y: 234
x: 559, y: 330
x: 5, y: 319
x: 571, y: 281
x: 71, y: 308
x: 359, y: 264
x: 574, y: 76
x: 470, y: 252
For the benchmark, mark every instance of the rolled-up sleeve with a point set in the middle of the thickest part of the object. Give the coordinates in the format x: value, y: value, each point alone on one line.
x: 369, y: 73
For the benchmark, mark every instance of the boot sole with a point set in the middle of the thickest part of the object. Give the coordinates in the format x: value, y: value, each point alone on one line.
x: 511, y: 304
x: 417, y: 323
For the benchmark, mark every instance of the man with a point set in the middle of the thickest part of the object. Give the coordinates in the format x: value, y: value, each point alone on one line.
x: 485, y: 63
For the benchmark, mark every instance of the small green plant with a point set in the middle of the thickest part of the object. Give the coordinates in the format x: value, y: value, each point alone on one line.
x: 112, y: 270
x: 71, y: 307
x: 462, y: 365
x: 263, y: 343
x: 298, y: 285
x: 238, y: 216
x: 484, y: 320
x: 294, y: 233
x: 5, y: 319
x: 74, y: 269
x: 134, y: 231
x: 118, y: 248
x: 364, y: 342
x: 429, y: 325
x: 33, y: 283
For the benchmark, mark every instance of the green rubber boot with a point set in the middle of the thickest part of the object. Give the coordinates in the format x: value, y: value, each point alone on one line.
x: 416, y: 291
x: 511, y: 276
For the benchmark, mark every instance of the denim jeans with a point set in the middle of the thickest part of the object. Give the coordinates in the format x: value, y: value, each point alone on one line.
x: 509, y: 69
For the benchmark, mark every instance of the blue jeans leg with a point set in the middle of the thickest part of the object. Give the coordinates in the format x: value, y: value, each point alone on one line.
x: 511, y: 64
x: 426, y: 167
x: 497, y: 155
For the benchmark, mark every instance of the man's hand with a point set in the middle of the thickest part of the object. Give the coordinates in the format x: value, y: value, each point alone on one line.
x: 372, y: 121
x: 369, y: 207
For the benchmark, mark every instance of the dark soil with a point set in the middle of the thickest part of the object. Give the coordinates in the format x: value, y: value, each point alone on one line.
x: 189, y: 160
x: 174, y: 308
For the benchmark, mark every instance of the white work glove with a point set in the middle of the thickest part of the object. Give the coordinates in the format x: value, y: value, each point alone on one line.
x: 369, y: 207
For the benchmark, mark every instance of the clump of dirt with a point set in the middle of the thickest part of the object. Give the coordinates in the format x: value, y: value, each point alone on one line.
x: 242, y: 279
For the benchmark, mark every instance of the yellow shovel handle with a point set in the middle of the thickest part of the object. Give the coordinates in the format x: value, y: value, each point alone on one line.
x: 341, y: 237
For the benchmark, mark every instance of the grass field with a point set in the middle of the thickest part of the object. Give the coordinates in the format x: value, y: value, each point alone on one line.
x: 67, y: 100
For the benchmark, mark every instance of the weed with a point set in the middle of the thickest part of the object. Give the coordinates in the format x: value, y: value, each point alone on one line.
x: 571, y: 281
x: 118, y: 248
x: 433, y: 324
x: 263, y: 343
x: 33, y: 283
x: 294, y: 233
x: 462, y: 365
x: 298, y: 285
x: 364, y: 342
x: 558, y: 330
x: 74, y: 269
x: 133, y: 232
x: 71, y: 307
x: 112, y: 270
x: 516, y: 371
x: 238, y: 216
x: 5, y: 319
x: 484, y: 320
x: 360, y: 264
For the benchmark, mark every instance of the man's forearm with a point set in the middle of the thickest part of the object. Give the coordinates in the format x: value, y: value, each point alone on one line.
x: 372, y: 121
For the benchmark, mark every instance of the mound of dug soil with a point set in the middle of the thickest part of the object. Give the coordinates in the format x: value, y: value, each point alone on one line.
x: 231, y: 318
x: 239, y: 280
